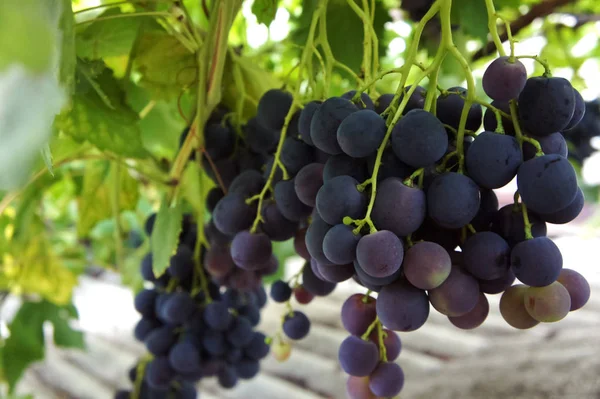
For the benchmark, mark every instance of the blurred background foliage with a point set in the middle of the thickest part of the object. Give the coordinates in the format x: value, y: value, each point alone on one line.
x: 83, y: 206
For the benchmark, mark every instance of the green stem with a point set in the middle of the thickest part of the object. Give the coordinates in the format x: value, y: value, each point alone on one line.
x: 367, y: 298
x: 372, y: 326
x: 544, y: 63
x: 380, y: 340
x: 128, y: 15
x: 410, y: 180
x: 116, y: 211
x: 526, y: 222
x: 492, y: 27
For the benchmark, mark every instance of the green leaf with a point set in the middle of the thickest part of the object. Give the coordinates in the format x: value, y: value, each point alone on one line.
x: 165, y: 235
x: 100, y: 115
x: 474, y: 22
x: 107, y: 37
x: 25, y: 344
x: 344, y: 29
x: 68, y: 60
x: 166, y: 66
x: 265, y: 11
x: 47, y: 157
x: 195, y: 186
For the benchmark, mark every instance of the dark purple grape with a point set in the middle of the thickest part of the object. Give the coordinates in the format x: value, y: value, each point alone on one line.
x: 490, y: 121
x: 335, y: 273
x: 281, y: 291
x: 453, y: 200
x: 567, y: 214
x: 339, y: 244
x: 390, y: 166
x: 184, y: 357
x: 315, y: 234
x: 307, y: 183
x: 218, y: 261
x: 160, y: 340
x: 296, y: 154
x: 504, y: 79
x: 315, y: 285
x: 338, y: 198
x: 578, y: 112
x: 553, y: 143
x: 380, y: 254
x: 508, y: 223
x: 493, y: 159
x: 251, y: 251
x: 239, y: 333
x: 457, y: 295
x: 342, y: 165
x: 386, y: 380
x: 358, y: 357
x: 257, y: 348
x: 232, y: 214
x: 358, y: 312
x: 360, y: 134
x: 536, y: 262
x: 449, y: 109
x: 498, y: 285
x: 305, y: 119
x: 402, y: 307
x: 577, y: 286
x: 227, y: 377
x: 247, y: 183
x: 473, y: 318
x: 178, y: 308
x: 486, y: 255
x: 144, y: 327
x: 296, y: 325
x: 159, y: 373
x: 273, y: 107
x: 426, y: 265
x: 288, y: 202
x: 398, y: 208
x: 383, y: 102
x: 144, y: 302
x: 325, y: 122
x: 217, y: 316
x: 247, y: 368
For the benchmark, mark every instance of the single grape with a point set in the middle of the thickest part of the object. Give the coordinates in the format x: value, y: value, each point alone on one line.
x: 547, y: 184
x: 247, y: 368
x: 554, y: 143
x: 302, y: 295
x: 473, y: 318
x: 144, y: 302
x: 453, y: 200
x: 280, y: 291
x: 577, y: 286
x: 239, y: 333
x: 426, y: 265
x: 498, y: 285
x: 219, y: 140
x: 275, y: 225
x: 402, y: 307
x: 339, y: 244
x: 159, y: 373
x: 218, y: 261
x: 313, y: 284
x: 181, y: 265
x: 178, y: 308
x: 490, y: 120
x: 144, y: 327
x: 296, y: 325
x: 221, y: 170
x: 504, y: 78
x: 338, y: 198
x: 383, y: 102
x: 398, y: 208
x: 486, y: 255
x: 217, y: 316
x: 160, y: 340
x: 546, y: 105
x: 214, y: 195
x: 307, y: 183
x: 251, y: 251
x: 273, y: 107
x: 334, y: 273
x: 508, y: 223
x: 358, y: 312
x: 361, y: 133
x: 146, y: 268
x: 493, y: 159
x: 288, y: 202
x: 391, y: 341
x: 232, y: 214
x: 371, y: 282
x: 548, y: 304
x: 536, y: 262
x: 214, y: 343
x: 257, y: 348
x: 386, y: 380
x: 365, y: 101
x: 419, y: 139
x: 325, y: 122
x: 342, y: 165
x: 568, y: 213
x: 449, y: 109
x: 250, y: 312
x: 247, y: 183
x: 358, y: 357
x: 358, y: 388
x: 389, y: 166
x: 512, y: 308
x: 380, y: 254
x: 416, y: 100
x: 227, y: 377
x: 457, y: 295
x: 300, y: 244
x: 578, y: 112
x: 184, y: 357
x: 296, y: 154
x: 315, y: 234
x: 305, y: 119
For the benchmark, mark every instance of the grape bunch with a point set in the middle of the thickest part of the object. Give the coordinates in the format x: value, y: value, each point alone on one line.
x: 191, y: 333
x: 581, y: 135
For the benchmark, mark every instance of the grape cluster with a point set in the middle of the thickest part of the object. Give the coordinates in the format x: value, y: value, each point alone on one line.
x: 191, y: 333
x: 581, y: 135
x: 409, y: 212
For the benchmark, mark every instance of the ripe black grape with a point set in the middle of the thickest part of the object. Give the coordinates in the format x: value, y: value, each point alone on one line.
x: 380, y: 254
x: 358, y: 312
x: 473, y: 318
x: 273, y: 107
x: 313, y: 284
x: 288, y: 202
x: 144, y: 327
x: 498, y: 285
x: 184, y: 357
x: 218, y: 261
x: 217, y: 316
x: 547, y: 184
x: 578, y: 112
x: 339, y: 244
x: 386, y: 380
x: 390, y: 166
x: 486, y: 255
x: 247, y: 368
x: 339, y: 197
x: 490, y: 121
x: 504, y: 79
x: 315, y: 234
x: 536, y: 262
x: 450, y: 106
x: 305, y: 119
x: 159, y: 373
x: 358, y: 357
x: 251, y: 251
x: 146, y: 268
x: 307, y: 183
x: 275, y: 225
x: 181, y: 265
x: 178, y: 307
x: 493, y: 159
x: 457, y: 295
x: 259, y: 138
x: 213, y: 342
x: 247, y: 183
x: 219, y: 140
x: 402, y: 307
x: 160, y: 340
x: 554, y: 143
x: 232, y: 214
x: 426, y: 265
x: 296, y: 154
x: 239, y: 333
x: 577, y: 286
x: 398, y: 208
x: 361, y: 133
x: 325, y: 122
x: 257, y: 348
x: 214, y: 195
x: 546, y: 105
x: 227, y: 377
x: 419, y: 139
x: 416, y: 100
x: 568, y: 213
x: 508, y: 223
x: 280, y: 291
x: 342, y: 164
x: 296, y: 325
x: 364, y: 103
x: 548, y: 304
x: 452, y: 200
x: 383, y: 102
x: 144, y: 302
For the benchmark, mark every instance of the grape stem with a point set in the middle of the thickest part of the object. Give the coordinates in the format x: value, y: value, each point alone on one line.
x: 410, y: 181
x: 380, y: 340
x: 116, y: 211
x: 366, y: 298
x: 492, y: 27
x: 372, y: 326
x: 526, y: 222
x: 544, y: 63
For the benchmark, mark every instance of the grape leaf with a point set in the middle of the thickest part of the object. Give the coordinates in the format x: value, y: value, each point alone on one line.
x: 68, y: 60
x: 474, y: 22
x: 107, y: 37
x: 165, y: 235
x: 166, y: 66
x: 265, y: 11
x: 344, y: 30
x: 25, y: 344
x: 100, y: 115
